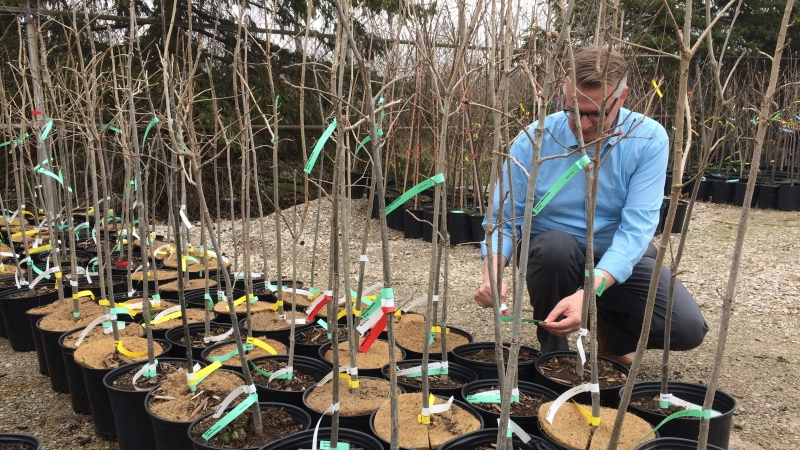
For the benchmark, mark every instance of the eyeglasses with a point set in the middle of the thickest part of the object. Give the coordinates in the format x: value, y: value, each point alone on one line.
x: 593, y: 116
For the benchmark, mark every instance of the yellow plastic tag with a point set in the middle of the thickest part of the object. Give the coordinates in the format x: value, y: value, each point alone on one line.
x: 277, y: 305
x: 593, y: 421
x: 126, y: 352
x: 261, y: 344
x: 19, y: 233
x: 170, y: 316
x: 43, y: 248
x: 658, y: 91
x: 204, y: 372
x: 103, y: 302
x: 426, y: 420
x: 239, y: 301
x: 438, y: 329
x: 59, y: 274
x: 85, y: 294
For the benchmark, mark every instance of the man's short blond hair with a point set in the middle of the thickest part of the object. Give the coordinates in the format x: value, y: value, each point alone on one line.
x: 590, y: 63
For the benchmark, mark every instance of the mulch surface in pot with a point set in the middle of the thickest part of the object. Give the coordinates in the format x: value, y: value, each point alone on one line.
x: 299, y: 382
x: 562, y: 369
x: 125, y: 381
x: 241, y: 308
x: 192, y: 316
x: 199, y: 283
x: 103, y: 354
x: 409, y: 332
x: 59, y: 317
x: 444, y: 426
x: 371, y: 394
x: 376, y: 357
x: 268, y: 320
x: 162, y: 275
x: 528, y: 404
x: 651, y: 404
x: 97, y: 333
x: 240, y: 433
x: 302, y: 300
x: 256, y: 352
x: 154, y: 308
x: 570, y: 429
x: 174, y: 401
x: 319, y: 335
x: 489, y: 356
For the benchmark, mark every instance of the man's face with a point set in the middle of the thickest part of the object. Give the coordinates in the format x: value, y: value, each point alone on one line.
x: 588, y: 105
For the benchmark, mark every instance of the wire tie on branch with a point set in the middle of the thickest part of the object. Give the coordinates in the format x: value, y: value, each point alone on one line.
x: 340, y: 446
x: 425, y: 417
x: 148, y: 371
x: 408, y: 195
x: 251, y: 398
x: 318, y: 147
x: 571, y: 172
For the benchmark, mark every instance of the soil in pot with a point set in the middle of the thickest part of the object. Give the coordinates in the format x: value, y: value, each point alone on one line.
x: 226, y: 348
x: 174, y: 401
x: 452, y: 423
x: 569, y: 428
x: 372, y: 392
x: 301, y: 299
x: 164, y: 276
x: 192, y: 316
x: 376, y: 357
x: 319, y: 336
x: 278, y: 423
x: 528, y: 404
x: 103, y: 354
x: 445, y: 386
x: 171, y: 288
x: 409, y: 333
x: 197, y: 334
x: 557, y: 371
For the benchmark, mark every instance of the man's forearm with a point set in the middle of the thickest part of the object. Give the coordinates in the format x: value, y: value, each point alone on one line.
x: 495, y: 258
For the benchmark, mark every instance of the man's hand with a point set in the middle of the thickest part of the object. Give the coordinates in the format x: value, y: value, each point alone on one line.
x: 569, y: 307
x: 483, y: 296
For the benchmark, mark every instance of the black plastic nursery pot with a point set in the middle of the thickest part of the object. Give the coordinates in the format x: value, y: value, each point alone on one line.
x: 77, y: 387
x: 668, y: 443
x: 356, y: 439
x: 488, y: 436
x: 767, y: 197
x: 27, y: 441
x: 129, y: 414
x: 427, y: 224
x: 395, y: 219
x: 175, y: 336
x: 685, y: 427
x: 33, y: 319
x: 308, y: 350
x: 457, y: 372
x: 459, y: 227
x: 308, y: 366
x: 722, y: 191
x: 99, y: 400
x: 464, y: 406
x: 680, y: 216
x: 608, y: 396
x: 412, y: 227
x: 476, y: 224
x: 374, y: 372
x: 788, y: 198
x: 297, y: 414
x: 740, y: 189
x: 490, y: 416
x: 18, y: 328
x: 54, y: 358
x: 170, y: 435
x: 488, y: 370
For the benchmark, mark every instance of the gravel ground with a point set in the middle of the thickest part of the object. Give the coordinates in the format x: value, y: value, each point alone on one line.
x: 760, y: 363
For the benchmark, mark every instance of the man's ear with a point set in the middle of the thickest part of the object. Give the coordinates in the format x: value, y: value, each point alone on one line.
x: 623, y: 96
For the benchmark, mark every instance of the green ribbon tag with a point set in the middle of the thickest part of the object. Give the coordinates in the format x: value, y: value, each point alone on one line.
x: 46, y: 130
x: 228, y: 418
x: 150, y: 373
x: 259, y: 369
x: 76, y: 314
x: 14, y: 143
x: 120, y: 311
x: 700, y: 414
x: 207, y: 296
x: 436, y: 179
x: 314, y: 291
x: 229, y: 355
x: 511, y: 319
x: 323, y: 324
x: 380, y: 124
x: 318, y: 147
x: 571, y: 172
x: 489, y: 397
x: 153, y: 121
x: 362, y: 143
x: 376, y: 305
x: 324, y: 445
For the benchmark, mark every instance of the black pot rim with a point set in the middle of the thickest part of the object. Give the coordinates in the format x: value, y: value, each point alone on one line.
x: 307, y: 392
x: 461, y: 349
x: 522, y: 385
x: 458, y: 371
x: 165, y: 421
x: 721, y: 398
x: 547, y: 356
x: 310, y: 362
x: 345, y: 434
x: 111, y: 376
